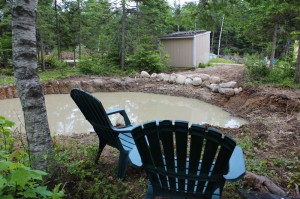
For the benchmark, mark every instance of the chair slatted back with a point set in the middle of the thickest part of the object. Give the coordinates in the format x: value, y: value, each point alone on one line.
x: 93, y: 111
x: 184, y: 160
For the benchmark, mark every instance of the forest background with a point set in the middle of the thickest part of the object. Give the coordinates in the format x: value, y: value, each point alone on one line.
x: 122, y: 34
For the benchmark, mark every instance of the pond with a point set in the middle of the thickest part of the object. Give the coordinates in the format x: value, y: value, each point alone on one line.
x: 65, y: 117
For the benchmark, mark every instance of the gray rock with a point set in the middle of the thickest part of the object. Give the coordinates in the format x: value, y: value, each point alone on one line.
x: 166, y: 78
x: 197, y: 81
x: 214, y: 80
x: 226, y: 91
x: 236, y: 91
x: 204, y: 77
x: 160, y: 77
x: 172, y: 79
x: 145, y: 74
x: 180, y: 79
x: 230, y: 84
x: 214, y: 87
x: 154, y: 75
x: 188, y: 81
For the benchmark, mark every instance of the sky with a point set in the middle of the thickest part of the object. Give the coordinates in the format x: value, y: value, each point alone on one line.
x: 171, y: 2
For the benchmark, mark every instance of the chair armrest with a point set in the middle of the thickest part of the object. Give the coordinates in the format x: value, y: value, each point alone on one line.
x: 135, y: 158
x: 127, y: 129
x: 237, y: 167
x: 123, y: 113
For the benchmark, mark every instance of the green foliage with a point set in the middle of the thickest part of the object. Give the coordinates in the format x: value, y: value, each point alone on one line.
x: 6, y: 138
x: 7, y: 71
x: 148, y: 60
x: 256, y: 69
x: 258, y: 72
x: 53, y: 63
x: 56, y: 74
x: 16, y: 179
x: 4, y: 79
x: 76, y: 163
x: 97, y: 66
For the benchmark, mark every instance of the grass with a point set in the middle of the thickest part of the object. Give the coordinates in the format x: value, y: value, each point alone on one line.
x: 57, y: 74
x: 48, y: 75
x: 5, y: 79
x: 221, y: 61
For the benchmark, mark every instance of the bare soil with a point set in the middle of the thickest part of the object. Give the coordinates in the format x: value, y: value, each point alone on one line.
x: 271, y: 140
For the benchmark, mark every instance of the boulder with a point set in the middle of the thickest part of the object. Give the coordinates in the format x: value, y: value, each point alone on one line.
x: 236, y: 91
x: 204, y: 77
x: 153, y: 76
x: 172, y: 79
x: 214, y: 80
x: 188, y: 81
x: 160, y: 77
x: 226, y: 91
x: 230, y: 84
x: 214, y: 87
x: 197, y: 81
x: 145, y: 74
x: 166, y: 78
x: 180, y: 79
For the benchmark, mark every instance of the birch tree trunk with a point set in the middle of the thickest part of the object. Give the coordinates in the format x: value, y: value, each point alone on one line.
x: 28, y: 83
x: 274, y: 46
x: 219, y: 46
x: 297, y: 71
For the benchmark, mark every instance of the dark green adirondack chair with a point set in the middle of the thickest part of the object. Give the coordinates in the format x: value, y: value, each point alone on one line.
x: 119, y: 138
x: 187, y: 162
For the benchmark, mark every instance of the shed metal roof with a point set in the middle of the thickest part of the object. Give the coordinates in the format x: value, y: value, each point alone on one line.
x: 186, y: 34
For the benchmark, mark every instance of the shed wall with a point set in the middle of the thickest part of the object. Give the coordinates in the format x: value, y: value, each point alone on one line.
x: 180, y: 51
x: 202, y: 48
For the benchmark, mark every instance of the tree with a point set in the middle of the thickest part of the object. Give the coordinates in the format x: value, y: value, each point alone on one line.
x: 297, y: 72
x: 45, y: 29
x: 28, y: 83
x: 5, y: 34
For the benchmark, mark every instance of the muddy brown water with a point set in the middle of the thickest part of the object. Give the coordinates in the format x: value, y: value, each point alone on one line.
x: 65, y: 117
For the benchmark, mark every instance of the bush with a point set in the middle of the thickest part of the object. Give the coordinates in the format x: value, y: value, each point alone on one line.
x: 281, y: 74
x: 148, y: 60
x: 256, y: 69
x: 16, y: 179
x: 92, y: 66
x: 8, y: 71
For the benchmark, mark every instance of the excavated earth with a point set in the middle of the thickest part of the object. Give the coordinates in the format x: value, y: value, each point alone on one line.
x: 273, y: 114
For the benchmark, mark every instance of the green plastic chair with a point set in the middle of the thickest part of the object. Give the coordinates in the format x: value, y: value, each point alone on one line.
x: 119, y: 138
x: 187, y: 162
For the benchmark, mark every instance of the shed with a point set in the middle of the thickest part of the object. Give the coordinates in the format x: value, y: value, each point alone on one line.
x: 187, y: 49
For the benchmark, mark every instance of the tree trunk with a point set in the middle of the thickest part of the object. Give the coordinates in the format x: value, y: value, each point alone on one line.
x: 123, y: 35
x: 57, y: 29
x: 42, y: 53
x: 219, y: 46
x: 28, y: 83
x: 274, y: 46
x: 297, y: 71
x: 79, y: 29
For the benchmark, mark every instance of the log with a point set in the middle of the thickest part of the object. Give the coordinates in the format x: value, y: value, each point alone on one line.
x: 263, y: 184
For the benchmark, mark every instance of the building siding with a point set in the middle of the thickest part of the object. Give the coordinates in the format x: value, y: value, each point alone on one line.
x: 202, y: 48
x: 180, y: 51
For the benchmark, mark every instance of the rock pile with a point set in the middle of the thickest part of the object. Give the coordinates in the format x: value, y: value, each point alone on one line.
x: 214, y: 83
